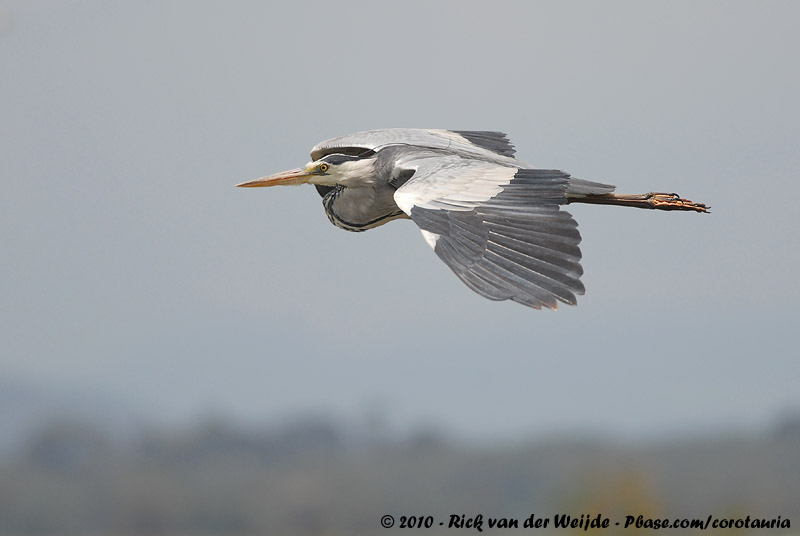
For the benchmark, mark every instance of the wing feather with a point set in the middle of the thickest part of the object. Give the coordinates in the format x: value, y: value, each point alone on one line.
x: 475, y: 144
x: 499, y: 228
x: 496, y: 142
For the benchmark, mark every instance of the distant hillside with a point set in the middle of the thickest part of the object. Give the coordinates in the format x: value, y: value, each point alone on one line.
x: 312, y: 478
x: 25, y: 408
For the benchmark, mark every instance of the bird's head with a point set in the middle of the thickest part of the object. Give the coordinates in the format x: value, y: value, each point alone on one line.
x: 329, y: 170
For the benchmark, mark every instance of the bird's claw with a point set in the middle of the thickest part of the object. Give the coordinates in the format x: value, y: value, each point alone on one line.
x: 673, y: 201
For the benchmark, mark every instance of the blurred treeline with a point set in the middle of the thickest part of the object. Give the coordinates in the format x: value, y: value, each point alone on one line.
x: 314, y: 477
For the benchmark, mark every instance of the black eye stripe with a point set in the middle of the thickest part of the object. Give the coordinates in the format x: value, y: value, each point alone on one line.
x: 337, y: 159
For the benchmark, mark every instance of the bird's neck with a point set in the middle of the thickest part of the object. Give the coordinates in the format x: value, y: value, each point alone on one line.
x: 360, y: 209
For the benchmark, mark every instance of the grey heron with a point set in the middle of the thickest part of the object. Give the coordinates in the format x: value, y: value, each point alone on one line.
x: 494, y: 220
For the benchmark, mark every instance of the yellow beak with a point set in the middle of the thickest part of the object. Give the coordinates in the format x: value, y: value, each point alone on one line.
x: 293, y: 176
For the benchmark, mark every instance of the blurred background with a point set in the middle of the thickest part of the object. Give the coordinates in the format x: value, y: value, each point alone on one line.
x: 179, y: 356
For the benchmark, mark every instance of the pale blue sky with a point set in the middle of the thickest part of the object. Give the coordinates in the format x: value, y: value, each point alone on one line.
x: 131, y: 265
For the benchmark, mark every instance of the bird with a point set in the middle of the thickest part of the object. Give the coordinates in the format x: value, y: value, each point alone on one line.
x: 497, y: 222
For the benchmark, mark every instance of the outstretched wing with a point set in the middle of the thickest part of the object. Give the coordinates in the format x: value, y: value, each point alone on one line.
x: 471, y: 143
x: 499, y: 228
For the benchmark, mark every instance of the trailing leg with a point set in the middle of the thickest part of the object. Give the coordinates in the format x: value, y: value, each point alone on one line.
x: 651, y: 200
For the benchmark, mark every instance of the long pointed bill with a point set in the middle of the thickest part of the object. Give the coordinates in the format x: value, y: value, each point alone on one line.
x: 293, y: 176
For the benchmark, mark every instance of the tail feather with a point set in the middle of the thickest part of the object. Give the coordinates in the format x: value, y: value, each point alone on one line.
x: 579, y: 187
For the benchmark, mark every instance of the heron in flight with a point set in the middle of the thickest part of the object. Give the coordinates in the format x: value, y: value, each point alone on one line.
x: 494, y: 220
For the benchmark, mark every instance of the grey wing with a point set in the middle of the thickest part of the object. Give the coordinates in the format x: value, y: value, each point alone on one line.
x: 500, y: 229
x: 496, y: 142
x: 484, y: 144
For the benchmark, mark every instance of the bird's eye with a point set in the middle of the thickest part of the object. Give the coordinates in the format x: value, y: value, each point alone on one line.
x: 323, y: 167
